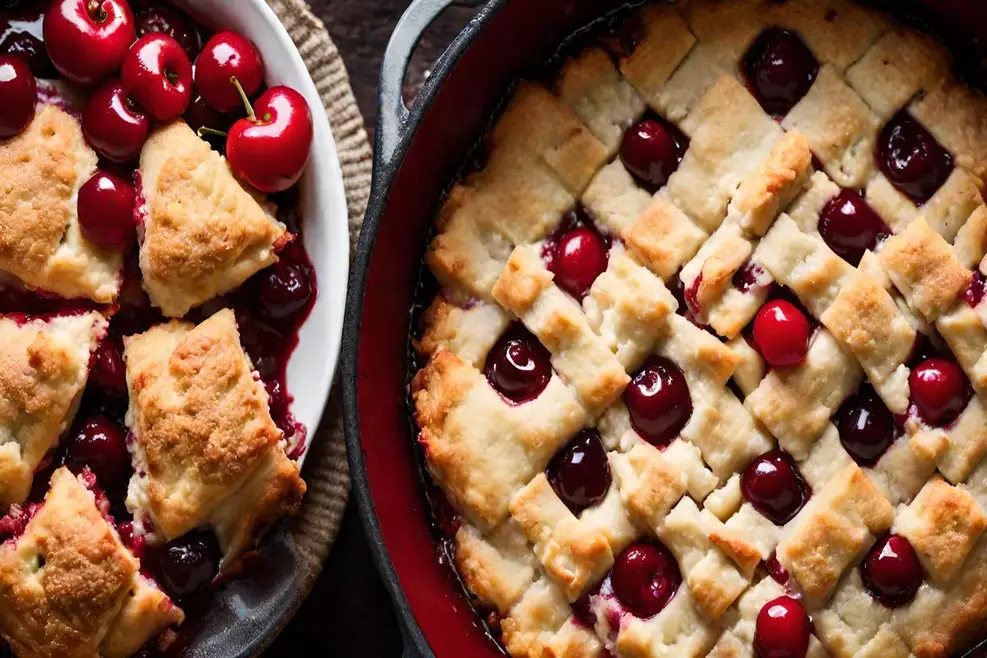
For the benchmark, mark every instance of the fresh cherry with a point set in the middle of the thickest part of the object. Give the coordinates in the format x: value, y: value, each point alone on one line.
x: 645, y: 577
x: 518, y: 366
x: 891, y: 571
x: 29, y: 48
x: 582, y: 256
x: 658, y: 401
x: 113, y: 124
x: 158, y: 75
x: 162, y: 20
x: 652, y: 151
x: 774, y: 486
x: 270, y: 148
x: 186, y: 565
x: 781, y: 333
x: 87, y: 39
x: 108, y: 370
x: 867, y: 427
x: 106, y: 210
x: 102, y: 446
x: 580, y: 472
x: 225, y: 56
x: 19, y: 91
x: 912, y: 159
x: 850, y: 226
x: 782, y: 629
x: 284, y: 289
x: 939, y: 389
x: 779, y: 69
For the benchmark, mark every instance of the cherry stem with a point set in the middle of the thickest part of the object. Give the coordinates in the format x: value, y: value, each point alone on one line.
x: 246, y: 101
x: 206, y: 130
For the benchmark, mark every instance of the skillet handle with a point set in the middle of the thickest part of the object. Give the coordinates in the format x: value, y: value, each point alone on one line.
x: 391, y: 110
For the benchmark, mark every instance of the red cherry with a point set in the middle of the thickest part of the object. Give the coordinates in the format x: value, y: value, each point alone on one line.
x: 102, y: 446
x: 108, y: 370
x: 106, y: 210
x: 773, y: 485
x: 113, y: 125
x: 850, y: 226
x: 782, y: 629
x: 580, y: 472
x: 270, y: 148
x: 284, y: 289
x: 658, y: 401
x: 518, y: 366
x: 228, y: 55
x: 19, y: 91
x: 87, y: 39
x: 163, y: 20
x: 652, y: 151
x: 891, y: 571
x: 781, y: 333
x: 581, y: 257
x: 779, y: 69
x: 939, y: 389
x: 645, y: 577
x: 158, y: 75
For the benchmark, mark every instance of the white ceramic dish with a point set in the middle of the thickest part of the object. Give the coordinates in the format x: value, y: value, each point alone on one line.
x: 323, y: 204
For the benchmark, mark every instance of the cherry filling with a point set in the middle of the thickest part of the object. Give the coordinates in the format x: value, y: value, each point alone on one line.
x: 101, y: 445
x: 13, y: 525
x: 518, y: 366
x: 974, y: 293
x: 779, y: 69
x: 652, y: 150
x: 850, y: 226
x: 781, y: 333
x: 580, y: 472
x: 915, y: 163
x: 107, y: 370
x: 185, y: 565
x: 658, y: 401
x: 782, y: 629
x: 168, y: 21
x: 891, y: 571
x: 776, y: 570
x: 774, y: 486
x: 749, y: 277
x: 940, y: 390
x: 645, y: 577
x: 867, y: 427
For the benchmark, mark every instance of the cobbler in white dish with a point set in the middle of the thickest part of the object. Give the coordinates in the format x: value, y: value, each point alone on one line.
x: 706, y: 374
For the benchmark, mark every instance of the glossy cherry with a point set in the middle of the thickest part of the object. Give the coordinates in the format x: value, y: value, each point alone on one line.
x: 225, y: 56
x: 283, y: 289
x: 645, y: 577
x: 781, y: 333
x: 867, y: 427
x: 912, y: 159
x: 19, y: 91
x: 163, y: 20
x: 101, y: 445
x: 658, y: 401
x: 652, y: 151
x: 582, y: 256
x: 106, y: 210
x: 891, y: 571
x: 270, y: 148
x: 158, y: 74
x: 939, y: 389
x: 580, y: 472
x: 779, y: 69
x: 518, y: 366
x: 782, y: 629
x: 87, y: 39
x: 113, y: 124
x: 186, y: 565
x: 850, y: 226
x: 774, y: 486
x: 29, y: 48
x: 108, y: 371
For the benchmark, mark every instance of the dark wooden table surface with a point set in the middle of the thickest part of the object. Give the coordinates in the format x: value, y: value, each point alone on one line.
x: 349, y: 613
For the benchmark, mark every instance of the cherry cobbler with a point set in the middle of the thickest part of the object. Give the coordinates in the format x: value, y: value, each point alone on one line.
x: 706, y: 373
x: 152, y: 283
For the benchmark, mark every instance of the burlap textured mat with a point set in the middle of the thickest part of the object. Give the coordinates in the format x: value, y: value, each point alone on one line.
x: 325, y: 469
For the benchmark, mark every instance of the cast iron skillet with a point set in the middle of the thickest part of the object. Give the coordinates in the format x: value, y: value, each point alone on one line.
x: 418, y: 154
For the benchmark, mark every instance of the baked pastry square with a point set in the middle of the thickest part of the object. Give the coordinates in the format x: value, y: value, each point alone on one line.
x: 69, y: 587
x: 41, y: 244
x: 44, y: 366
x: 205, y: 449
x: 201, y: 232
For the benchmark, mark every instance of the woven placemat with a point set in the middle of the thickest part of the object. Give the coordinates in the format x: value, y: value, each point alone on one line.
x: 325, y: 471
